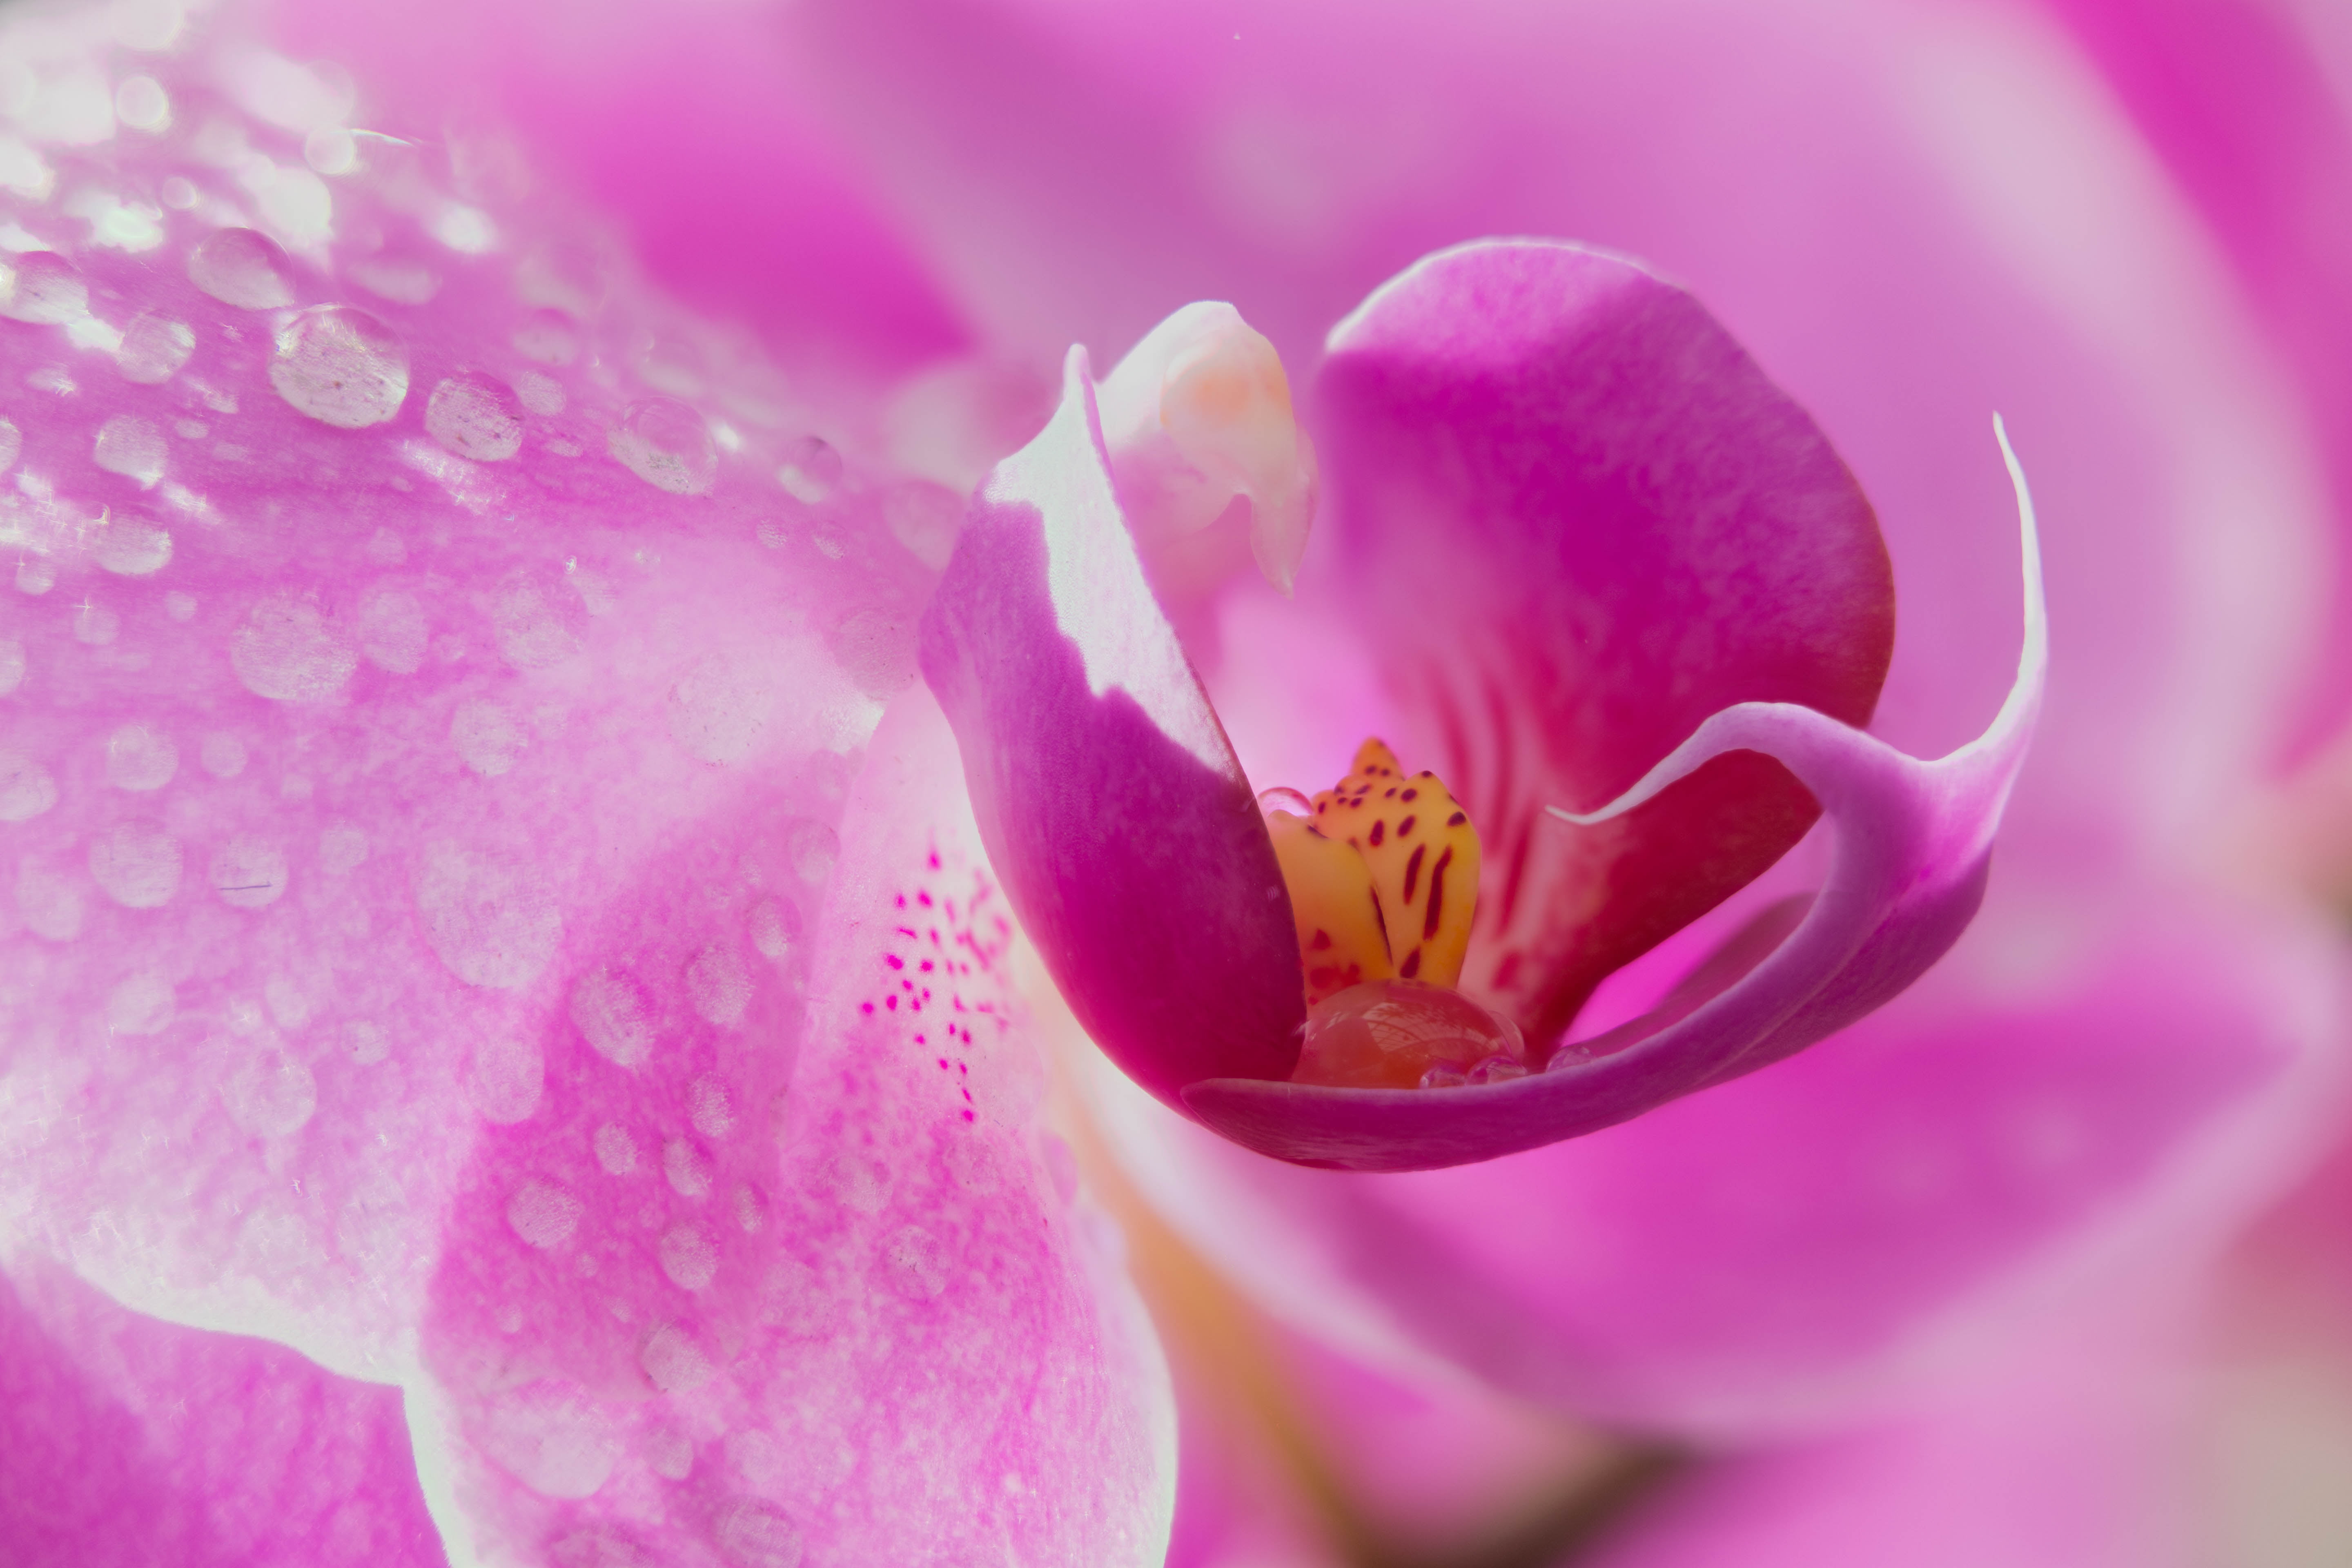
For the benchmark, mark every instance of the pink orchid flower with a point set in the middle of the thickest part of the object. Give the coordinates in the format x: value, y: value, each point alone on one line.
x: 467, y: 917
x: 1910, y: 215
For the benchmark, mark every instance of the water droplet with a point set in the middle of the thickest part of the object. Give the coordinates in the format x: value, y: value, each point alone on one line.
x: 550, y: 337
x: 717, y: 985
x: 507, y: 1079
x: 543, y: 1214
x: 42, y: 287
x: 341, y: 366
x: 26, y: 788
x: 531, y: 626
x: 666, y: 444
x: 709, y: 1106
x: 775, y: 926
x: 877, y: 650
x: 925, y: 519
x: 287, y: 651
x: 243, y: 268
x: 485, y: 739
x: 286, y: 1003
x: 50, y: 900
x: 811, y: 470
x: 223, y: 756
x: 675, y: 1362
x: 141, y: 757
x: 153, y: 349
x: 814, y: 848
x: 490, y: 917
x: 392, y: 632
x: 687, y: 1258
x: 616, y: 1150
x: 249, y: 873
x: 367, y: 1043
x: 141, y: 104
x: 137, y: 864
x: 718, y: 709
x: 12, y: 665
x: 331, y: 150
x: 669, y: 1454
x: 401, y: 279
x: 343, y: 849
x: 142, y: 1005
x: 750, y: 1210
x: 133, y: 547
x: 35, y: 574
x: 689, y: 1169
x: 912, y: 1263
x: 271, y: 1096
x: 755, y: 1534
x: 541, y: 394
x: 610, y: 1011
x: 475, y: 417
x: 97, y: 625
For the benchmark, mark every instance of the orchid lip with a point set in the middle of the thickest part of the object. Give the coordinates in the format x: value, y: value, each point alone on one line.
x: 1913, y: 842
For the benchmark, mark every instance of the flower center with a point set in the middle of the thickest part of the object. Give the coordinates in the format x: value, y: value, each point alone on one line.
x: 1382, y: 870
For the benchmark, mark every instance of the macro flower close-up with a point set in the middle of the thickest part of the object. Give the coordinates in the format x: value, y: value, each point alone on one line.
x: 992, y: 782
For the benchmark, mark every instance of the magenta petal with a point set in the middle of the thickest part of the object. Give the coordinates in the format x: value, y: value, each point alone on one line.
x: 1576, y: 519
x: 126, y: 1441
x: 1915, y: 842
x: 1111, y: 803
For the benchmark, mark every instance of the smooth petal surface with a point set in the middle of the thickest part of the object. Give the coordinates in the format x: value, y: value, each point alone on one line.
x: 1914, y: 845
x: 127, y: 1441
x: 432, y: 723
x: 1575, y: 520
x: 1112, y: 806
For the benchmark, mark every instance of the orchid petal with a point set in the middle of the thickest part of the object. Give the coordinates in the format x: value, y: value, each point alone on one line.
x: 1108, y: 798
x: 1575, y: 518
x: 1915, y: 845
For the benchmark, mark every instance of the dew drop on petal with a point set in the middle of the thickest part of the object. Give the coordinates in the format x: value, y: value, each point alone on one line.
x: 490, y: 917
x: 814, y: 848
x: 26, y: 788
x: 675, y: 1362
x: 550, y: 337
x: 912, y: 1263
x: 249, y: 873
x: 717, y: 985
x: 755, y: 1535
x: 12, y: 665
x: 666, y: 443
x: 141, y: 1005
x: 243, y: 268
x: 35, y: 574
x: 341, y: 366
x: 12, y: 444
x: 272, y: 1095
x: 610, y: 1012
x: 507, y: 1079
x: 141, y: 757
x: 153, y: 347
x: 367, y: 1043
x: 287, y: 651
x: 709, y: 1106
x: 775, y: 926
x: 142, y: 103
x: 42, y: 287
x: 689, y: 1169
x: 97, y: 625
x: 389, y: 625
x: 532, y: 631
x: 137, y: 864
x: 616, y: 1150
x: 720, y: 708
x: 687, y: 1258
x: 544, y: 1214
x: 811, y: 470
x: 222, y: 754
x: 541, y: 393
x: 133, y: 547
x: 131, y: 446
x: 485, y: 737
x: 50, y: 900
x: 475, y: 417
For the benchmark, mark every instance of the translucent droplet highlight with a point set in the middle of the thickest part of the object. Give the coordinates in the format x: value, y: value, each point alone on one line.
x: 475, y: 417
x: 341, y: 367
x: 666, y: 444
x: 243, y: 268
